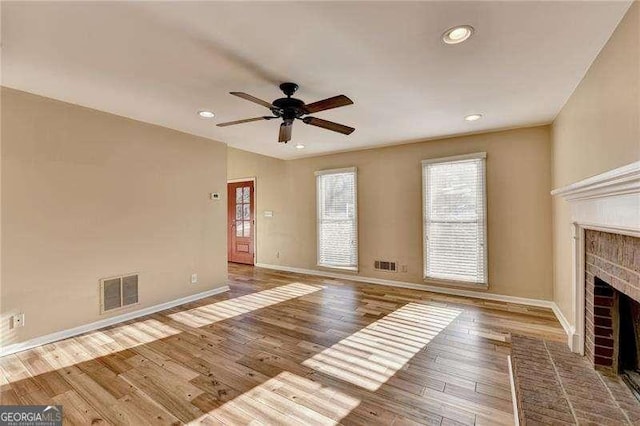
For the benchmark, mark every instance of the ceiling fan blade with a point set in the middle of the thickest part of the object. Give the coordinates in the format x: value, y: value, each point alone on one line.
x: 285, y: 132
x: 252, y: 99
x: 329, y: 103
x: 329, y: 125
x: 246, y: 120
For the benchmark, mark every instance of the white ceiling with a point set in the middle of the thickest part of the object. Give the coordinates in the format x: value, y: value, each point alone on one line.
x: 162, y: 62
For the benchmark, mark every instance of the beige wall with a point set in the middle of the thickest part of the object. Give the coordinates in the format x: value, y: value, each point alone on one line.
x: 597, y: 130
x: 271, y: 181
x: 389, y: 197
x: 86, y: 195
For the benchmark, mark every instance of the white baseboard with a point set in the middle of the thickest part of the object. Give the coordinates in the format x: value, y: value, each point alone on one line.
x: 435, y: 289
x: 53, y: 337
x: 568, y: 328
x: 65, y: 334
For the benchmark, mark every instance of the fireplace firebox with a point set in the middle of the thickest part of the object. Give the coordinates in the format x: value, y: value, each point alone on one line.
x: 628, y: 342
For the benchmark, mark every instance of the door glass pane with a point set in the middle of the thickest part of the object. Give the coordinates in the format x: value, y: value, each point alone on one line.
x: 247, y: 228
x: 238, y: 195
x: 238, y: 228
x: 246, y: 195
x: 246, y: 212
x: 238, y: 211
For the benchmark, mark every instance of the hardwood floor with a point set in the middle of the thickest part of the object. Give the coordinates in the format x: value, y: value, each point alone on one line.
x: 282, y: 348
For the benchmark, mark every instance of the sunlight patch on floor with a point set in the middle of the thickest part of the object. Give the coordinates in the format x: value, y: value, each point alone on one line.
x: 372, y: 355
x: 219, y: 311
x: 286, y: 399
x: 108, y: 342
x: 69, y: 352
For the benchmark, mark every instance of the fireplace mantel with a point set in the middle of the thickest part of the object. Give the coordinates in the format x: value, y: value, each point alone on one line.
x: 608, y: 202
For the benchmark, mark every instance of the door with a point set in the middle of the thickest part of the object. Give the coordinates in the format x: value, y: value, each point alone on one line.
x: 241, y: 222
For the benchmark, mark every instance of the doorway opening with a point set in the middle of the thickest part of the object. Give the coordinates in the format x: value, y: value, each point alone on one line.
x: 241, y: 221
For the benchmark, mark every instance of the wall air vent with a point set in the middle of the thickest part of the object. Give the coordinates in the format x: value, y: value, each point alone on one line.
x: 118, y: 292
x: 385, y: 265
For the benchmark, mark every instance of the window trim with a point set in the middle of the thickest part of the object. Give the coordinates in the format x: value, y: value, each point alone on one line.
x: 317, y: 173
x: 456, y: 283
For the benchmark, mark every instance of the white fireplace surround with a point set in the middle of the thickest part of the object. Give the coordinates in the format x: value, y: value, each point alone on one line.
x: 608, y: 202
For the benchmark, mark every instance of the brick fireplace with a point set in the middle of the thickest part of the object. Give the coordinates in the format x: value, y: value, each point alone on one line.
x: 605, y: 218
x: 612, y: 293
x: 603, y: 322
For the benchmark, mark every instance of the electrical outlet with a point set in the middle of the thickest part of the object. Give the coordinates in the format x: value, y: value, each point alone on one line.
x: 17, y: 320
x: 194, y: 278
x: 403, y: 268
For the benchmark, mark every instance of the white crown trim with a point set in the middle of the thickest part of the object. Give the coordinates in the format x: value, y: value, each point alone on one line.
x: 620, y: 181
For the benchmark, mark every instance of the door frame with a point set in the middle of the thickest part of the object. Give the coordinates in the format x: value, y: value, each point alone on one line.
x: 255, y: 216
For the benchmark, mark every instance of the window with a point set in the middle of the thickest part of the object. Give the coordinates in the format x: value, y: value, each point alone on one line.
x: 337, y: 218
x: 455, y: 219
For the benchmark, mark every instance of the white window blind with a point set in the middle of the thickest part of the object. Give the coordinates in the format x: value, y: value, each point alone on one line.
x: 455, y: 218
x: 337, y: 218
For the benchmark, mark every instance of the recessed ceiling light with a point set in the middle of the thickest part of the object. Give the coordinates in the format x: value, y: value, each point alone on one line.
x: 299, y: 146
x: 206, y: 114
x: 458, y: 34
x: 473, y: 117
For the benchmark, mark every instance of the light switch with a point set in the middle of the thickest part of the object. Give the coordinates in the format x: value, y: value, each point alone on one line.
x: 268, y: 213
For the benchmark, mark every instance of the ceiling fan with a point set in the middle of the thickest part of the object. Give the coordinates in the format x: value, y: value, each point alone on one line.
x: 290, y: 109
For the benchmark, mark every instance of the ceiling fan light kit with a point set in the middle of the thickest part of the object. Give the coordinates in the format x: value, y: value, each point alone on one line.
x: 290, y: 109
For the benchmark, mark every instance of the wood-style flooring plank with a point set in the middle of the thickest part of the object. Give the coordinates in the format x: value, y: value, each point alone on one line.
x: 282, y: 348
